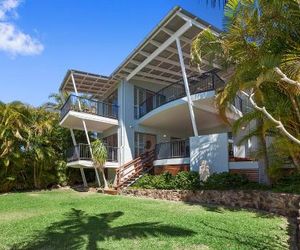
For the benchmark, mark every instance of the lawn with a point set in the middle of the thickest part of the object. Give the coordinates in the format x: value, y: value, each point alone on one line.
x: 65, y: 219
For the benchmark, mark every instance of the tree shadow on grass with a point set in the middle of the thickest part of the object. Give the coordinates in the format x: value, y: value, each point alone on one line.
x: 264, y: 242
x: 83, y: 231
x: 223, y: 208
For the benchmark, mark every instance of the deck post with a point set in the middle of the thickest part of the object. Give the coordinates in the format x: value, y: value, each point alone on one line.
x: 85, y: 129
x: 83, y: 177
x: 187, y: 89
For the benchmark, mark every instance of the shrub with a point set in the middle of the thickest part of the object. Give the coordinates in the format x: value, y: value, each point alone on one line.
x: 183, y: 180
x: 288, y: 184
x: 163, y: 181
x: 187, y: 180
x: 225, y: 180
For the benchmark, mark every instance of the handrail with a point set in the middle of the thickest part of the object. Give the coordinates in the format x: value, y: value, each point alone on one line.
x: 172, y: 149
x: 206, y: 82
x: 139, y: 165
x: 82, y: 152
x: 128, y: 164
x: 89, y: 106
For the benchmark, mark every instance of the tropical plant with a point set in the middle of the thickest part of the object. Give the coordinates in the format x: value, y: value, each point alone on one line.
x: 260, y: 48
x: 32, y: 147
x: 99, y: 152
x: 56, y: 102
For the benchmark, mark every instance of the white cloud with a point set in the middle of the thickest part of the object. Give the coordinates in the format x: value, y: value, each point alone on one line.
x: 12, y: 39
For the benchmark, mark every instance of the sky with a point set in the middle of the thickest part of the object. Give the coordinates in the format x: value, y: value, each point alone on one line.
x: 41, y: 39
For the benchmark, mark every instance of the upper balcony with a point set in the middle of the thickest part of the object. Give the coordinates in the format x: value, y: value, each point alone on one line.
x: 198, y: 84
x: 97, y: 115
x: 167, y: 109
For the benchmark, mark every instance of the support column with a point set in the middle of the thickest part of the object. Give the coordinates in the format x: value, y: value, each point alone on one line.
x: 83, y: 177
x: 91, y: 151
x: 187, y: 89
x: 85, y: 128
x: 74, y: 143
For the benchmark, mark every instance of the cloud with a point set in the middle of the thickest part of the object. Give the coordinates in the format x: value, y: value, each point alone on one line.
x: 12, y: 39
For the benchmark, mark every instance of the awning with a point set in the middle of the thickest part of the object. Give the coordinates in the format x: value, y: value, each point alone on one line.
x: 154, y: 60
x: 94, y: 84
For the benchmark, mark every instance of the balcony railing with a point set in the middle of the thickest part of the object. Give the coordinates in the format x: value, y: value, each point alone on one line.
x: 205, y: 82
x: 82, y: 152
x: 173, y: 149
x: 81, y: 104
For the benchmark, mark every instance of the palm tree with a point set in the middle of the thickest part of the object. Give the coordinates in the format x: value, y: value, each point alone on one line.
x: 260, y: 45
x: 56, y: 102
x: 99, y: 152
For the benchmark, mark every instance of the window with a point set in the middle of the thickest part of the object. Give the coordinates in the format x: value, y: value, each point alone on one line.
x: 142, y: 100
x: 230, y: 145
x: 143, y: 143
x: 111, y: 140
x: 112, y: 98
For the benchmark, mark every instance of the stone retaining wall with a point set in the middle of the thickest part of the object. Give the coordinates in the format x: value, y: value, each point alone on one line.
x: 279, y: 203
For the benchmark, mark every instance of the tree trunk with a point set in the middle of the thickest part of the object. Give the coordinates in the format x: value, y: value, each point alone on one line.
x: 264, y: 160
x: 34, y: 176
x: 104, y: 178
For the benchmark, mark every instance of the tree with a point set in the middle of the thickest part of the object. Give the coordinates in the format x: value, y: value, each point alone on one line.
x: 32, y: 146
x: 260, y: 45
x: 99, y: 158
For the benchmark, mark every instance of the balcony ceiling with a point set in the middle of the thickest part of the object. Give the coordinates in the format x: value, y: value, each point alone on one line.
x: 163, y: 68
x: 174, y: 117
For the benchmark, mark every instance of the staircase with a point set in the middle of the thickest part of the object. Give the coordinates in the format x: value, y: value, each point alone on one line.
x: 130, y: 172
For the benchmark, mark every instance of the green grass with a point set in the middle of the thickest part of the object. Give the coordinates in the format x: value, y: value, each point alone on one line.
x: 72, y: 220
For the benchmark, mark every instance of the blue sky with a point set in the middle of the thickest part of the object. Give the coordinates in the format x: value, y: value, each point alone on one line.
x: 52, y: 36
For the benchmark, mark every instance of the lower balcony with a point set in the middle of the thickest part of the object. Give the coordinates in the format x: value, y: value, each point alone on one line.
x: 98, y: 116
x: 80, y: 156
x: 172, y: 153
x: 185, y: 155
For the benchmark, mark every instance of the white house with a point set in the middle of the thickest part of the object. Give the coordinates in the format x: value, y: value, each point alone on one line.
x: 156, y: 112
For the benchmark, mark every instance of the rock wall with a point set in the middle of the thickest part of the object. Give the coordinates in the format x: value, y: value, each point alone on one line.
x: 279, y: 203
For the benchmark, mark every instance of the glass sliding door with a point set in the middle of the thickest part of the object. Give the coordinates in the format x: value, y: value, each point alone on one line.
x: 143, y: 143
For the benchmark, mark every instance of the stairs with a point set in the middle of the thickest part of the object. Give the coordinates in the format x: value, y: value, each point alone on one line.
x: 130, y: 172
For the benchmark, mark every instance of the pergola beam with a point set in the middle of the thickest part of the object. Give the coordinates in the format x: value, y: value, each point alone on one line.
x: 187, y: 55
x: 163, y: 70
x: 166, y: 60
x: 160, y: 49
x: 195, y: 23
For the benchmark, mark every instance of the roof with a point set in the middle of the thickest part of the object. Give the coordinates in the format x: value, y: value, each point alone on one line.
x: 90, y: 83
x: 164, y: 67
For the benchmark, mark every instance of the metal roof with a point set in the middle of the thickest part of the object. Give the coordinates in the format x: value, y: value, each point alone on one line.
x: 163, y: 68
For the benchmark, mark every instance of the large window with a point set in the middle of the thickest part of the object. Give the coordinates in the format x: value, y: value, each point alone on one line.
x: 112, y: 98
x: 143, y: 143
x: 140, y: 96
x: 111, y: 140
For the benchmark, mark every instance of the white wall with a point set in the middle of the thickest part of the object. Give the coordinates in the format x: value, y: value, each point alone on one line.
x: 212, y: 148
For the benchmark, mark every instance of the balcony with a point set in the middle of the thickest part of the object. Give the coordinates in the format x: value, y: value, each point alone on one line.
x: 98, y: 115
x: 198, y: 84
x: 80, y: 155
x: 172, y: 153
x: 167, y: 109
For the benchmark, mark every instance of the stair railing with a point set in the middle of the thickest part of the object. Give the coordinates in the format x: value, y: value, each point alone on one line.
x: 134, y: 168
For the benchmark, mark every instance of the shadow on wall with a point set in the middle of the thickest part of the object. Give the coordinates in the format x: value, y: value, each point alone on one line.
x: 212, y: 148
x: 80, y: 230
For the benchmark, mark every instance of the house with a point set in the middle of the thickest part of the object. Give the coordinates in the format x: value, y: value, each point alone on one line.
x: 156, y: 112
